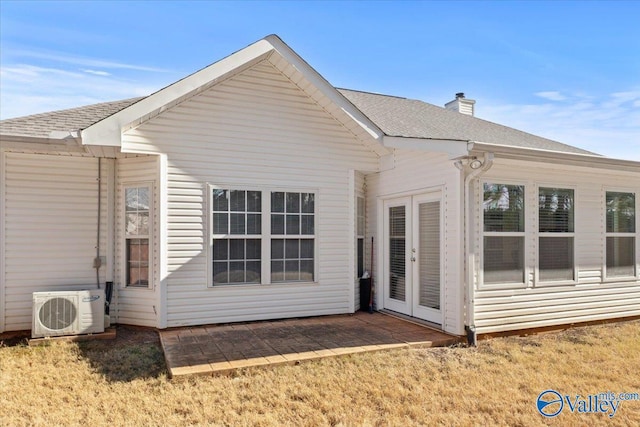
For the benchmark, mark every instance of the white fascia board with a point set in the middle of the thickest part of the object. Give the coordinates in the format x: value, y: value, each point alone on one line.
x: 323, y: 85
x: 50, y: 144
x: 108, y: 131
x: 453, y: 147
x: 560, y: 157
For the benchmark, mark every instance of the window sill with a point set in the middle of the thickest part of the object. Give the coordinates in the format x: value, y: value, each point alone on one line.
x: 501, y: 286
x: 257, y: 285
x: 555, y: 283
x: 621, y: 279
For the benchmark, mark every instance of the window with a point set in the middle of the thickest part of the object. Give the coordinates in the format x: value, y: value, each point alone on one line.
x: 555, y: 234
x: 504, y: 228
x: 292, y: 236
x: 137, y: 235
x: 620, y: 236
x: 260, y: 236
x: 237, y: 233
x: 360, y: 224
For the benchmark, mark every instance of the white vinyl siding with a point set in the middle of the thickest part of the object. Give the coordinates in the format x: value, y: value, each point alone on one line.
x: 49, y: 238
x: 256, y: 127
x: 590, y: 296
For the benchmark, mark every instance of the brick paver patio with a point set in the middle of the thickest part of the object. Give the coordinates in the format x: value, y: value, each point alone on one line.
x: 222, y: 348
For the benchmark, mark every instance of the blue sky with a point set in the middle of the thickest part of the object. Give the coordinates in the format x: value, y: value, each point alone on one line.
x: 569, y: 71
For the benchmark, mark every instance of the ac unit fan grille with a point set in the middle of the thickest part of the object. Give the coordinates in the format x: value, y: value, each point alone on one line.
x: 57, y: 313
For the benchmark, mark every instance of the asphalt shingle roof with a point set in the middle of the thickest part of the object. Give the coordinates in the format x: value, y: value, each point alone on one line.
x: 73, y: 119
x: 395, y: 116
x: 411, y: 118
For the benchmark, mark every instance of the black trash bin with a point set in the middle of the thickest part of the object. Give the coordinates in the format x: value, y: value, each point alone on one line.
x: 365, y: 294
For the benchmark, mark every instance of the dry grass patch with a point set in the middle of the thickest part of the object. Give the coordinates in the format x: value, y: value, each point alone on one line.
x: 125, y: 383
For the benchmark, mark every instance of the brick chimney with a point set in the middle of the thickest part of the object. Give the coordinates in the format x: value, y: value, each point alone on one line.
x: 461, y: 104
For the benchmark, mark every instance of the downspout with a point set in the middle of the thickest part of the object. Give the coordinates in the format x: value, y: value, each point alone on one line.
x: 467, y: 216
x: 97, y: 262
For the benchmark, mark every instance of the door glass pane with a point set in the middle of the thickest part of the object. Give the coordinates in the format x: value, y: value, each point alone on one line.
x: 429, y: 254
x: 397, y: 255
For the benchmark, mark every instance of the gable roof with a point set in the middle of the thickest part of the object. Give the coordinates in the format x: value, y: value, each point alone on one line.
x: 411, y: 118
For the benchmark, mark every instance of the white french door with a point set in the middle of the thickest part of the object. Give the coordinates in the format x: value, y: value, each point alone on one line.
x: 412, y: 277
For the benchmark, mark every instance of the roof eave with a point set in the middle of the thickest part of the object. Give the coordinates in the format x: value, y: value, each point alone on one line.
x: 551, y: 156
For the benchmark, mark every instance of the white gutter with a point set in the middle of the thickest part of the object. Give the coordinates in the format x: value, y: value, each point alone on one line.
x: 453, y: 147
x: 482, y: 167
x: 557, y: 157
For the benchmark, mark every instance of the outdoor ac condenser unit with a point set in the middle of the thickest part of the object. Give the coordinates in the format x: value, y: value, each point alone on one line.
x: 67, y: 313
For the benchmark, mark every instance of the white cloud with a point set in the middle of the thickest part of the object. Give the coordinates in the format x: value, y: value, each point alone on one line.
x: 28, y: 89
x: 551, y: 95
x: 97, y: 72
x: 82, y: 61
x: 608, y: 124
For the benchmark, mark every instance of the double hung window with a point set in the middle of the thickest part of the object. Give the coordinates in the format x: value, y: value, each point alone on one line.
x: 504, y: 233
x: 137, y: 235
x: 620, y: 234
x: 249, y: 250
x: 555, y: 234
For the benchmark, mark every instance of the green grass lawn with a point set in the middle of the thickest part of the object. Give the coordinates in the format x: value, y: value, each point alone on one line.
x: 124, y: 383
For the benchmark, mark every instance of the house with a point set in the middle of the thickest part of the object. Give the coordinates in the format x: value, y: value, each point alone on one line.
x: 253, y: 189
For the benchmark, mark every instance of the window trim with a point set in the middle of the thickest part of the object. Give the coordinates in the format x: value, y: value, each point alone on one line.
x: 265, y: 237
x: 606, y: 234
x: 538, y: 283
x: 524, y: 234
x: 124, y: 238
